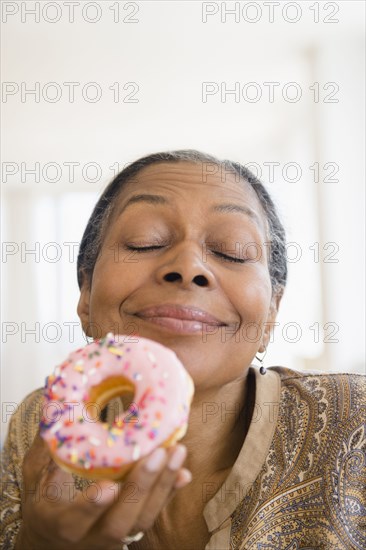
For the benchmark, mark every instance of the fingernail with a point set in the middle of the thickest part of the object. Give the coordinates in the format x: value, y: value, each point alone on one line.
x: 184, y: 478
x: 156, y: 460
x: 177, y: 458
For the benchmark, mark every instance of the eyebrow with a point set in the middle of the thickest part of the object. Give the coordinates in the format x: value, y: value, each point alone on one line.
x: 230, y: 207
x: 222, y: 208
x: 149, y: 199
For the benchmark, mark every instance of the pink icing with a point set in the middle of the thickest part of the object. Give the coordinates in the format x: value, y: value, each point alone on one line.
x: 163, y: 393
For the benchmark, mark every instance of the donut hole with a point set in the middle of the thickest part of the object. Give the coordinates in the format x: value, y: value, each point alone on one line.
x: 116, y: 406
x: 111, y: 398
x: 127, y: 399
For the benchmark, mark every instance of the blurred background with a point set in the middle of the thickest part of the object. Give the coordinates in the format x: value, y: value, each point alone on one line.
x: 90, y: 86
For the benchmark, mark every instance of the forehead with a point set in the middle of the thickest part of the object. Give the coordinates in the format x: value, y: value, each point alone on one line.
x: 202, y: 176
x: 185, y: 184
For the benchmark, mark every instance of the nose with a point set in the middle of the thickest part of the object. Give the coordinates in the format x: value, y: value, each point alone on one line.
x: 185, y: 268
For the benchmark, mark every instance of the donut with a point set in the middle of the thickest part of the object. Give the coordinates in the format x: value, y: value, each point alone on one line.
x: 75, y: 394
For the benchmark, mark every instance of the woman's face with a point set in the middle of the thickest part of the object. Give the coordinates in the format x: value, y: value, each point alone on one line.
x: 204, y: 290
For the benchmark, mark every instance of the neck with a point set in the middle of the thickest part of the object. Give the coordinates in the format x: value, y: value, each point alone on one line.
x: 217, y: 428
x: 218, y: 423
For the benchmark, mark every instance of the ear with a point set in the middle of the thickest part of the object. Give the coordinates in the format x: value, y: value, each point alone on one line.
x: 83, y: 307
x: 269, y: 324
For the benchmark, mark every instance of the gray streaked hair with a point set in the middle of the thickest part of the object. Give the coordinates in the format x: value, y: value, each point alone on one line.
x: 94, y: 233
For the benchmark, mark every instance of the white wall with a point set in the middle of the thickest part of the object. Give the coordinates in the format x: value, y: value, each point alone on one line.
x: 168, y: 54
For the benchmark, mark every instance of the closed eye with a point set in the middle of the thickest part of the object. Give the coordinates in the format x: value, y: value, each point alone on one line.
x: 141, y: 249
x: 230, y: 258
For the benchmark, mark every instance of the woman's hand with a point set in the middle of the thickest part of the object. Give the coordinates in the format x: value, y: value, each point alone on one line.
x: 57, y: 516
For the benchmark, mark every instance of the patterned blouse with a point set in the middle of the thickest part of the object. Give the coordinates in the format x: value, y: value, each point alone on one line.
x: 299, y: 481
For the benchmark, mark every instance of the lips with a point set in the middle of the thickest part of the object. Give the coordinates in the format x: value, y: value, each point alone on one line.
x: 185, y: 313
x: 182, y: 319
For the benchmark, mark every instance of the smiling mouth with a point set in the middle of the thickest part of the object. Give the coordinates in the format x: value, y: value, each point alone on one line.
x: 182, y: 326
x: 180, y: 319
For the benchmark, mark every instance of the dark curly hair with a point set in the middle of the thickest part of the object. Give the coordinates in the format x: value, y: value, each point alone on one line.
x: 92, y: 240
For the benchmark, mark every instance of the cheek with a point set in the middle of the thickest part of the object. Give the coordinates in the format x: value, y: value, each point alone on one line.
x: 252, y: 303
x: 255, y: 297
x: 112, y: 282
x: 258, y: 298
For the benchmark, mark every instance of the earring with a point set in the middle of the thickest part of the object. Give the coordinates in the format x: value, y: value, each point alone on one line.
x: 262, y: 368
x: 88, y: 339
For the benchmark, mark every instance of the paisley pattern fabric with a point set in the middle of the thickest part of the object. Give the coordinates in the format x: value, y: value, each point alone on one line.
x: 311, y: 491
x: 22, y: 430
x: 302, y: 468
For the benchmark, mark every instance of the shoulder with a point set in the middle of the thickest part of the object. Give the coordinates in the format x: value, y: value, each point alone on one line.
x: 31, y: 404
x: 25, y: 421
x: 347, y: 389
x: 311, y: 486
x: 320, y: 441
x: 286, y: 374
x: 23, y: 427
x: 323, y: 411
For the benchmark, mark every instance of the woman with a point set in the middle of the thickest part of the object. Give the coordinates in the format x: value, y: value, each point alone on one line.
x: 189, y: 251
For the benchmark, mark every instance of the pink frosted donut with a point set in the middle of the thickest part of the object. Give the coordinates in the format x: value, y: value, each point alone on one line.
x: 81, y: 387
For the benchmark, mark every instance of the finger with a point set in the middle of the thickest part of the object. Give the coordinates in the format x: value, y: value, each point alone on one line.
x: 184, y: 477
x: 53, y: 495
x: 83, y: 509
x: 121, y: 518
x: 163, y: 488
x: 84, y: 513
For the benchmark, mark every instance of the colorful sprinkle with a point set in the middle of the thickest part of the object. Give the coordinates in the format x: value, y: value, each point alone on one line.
x: 74, y: 456
x: 115, y: 431
x: 116, y: 351
x: 56, y: 427
x: 79, y: 366
x: 136, y: 452
x: 152, y: 433
x: 118, y: 423
x: 145, y: 395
